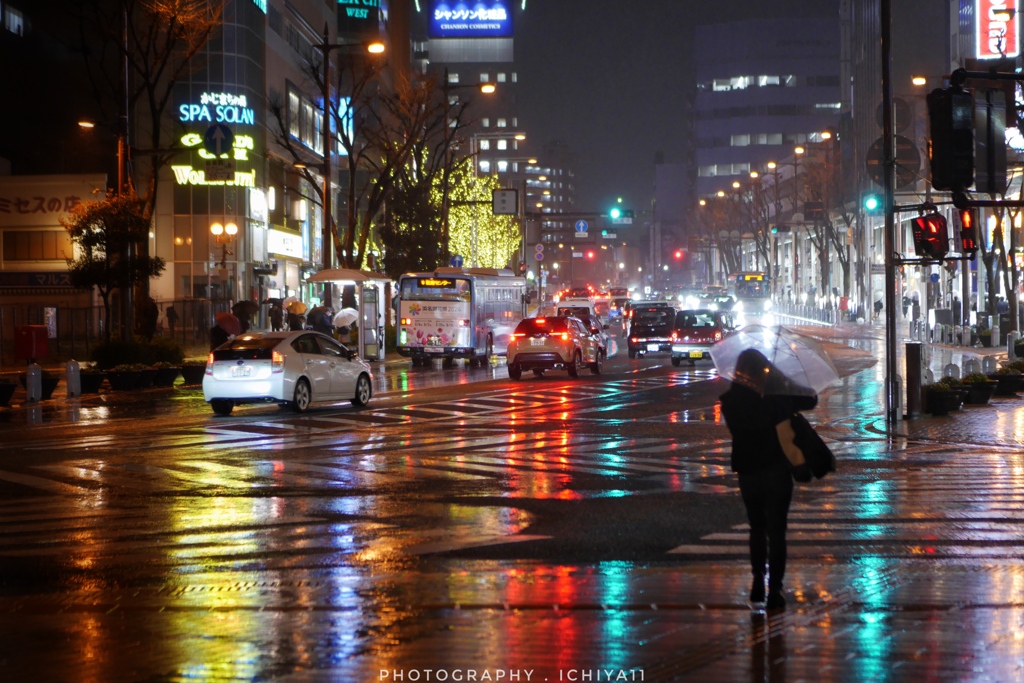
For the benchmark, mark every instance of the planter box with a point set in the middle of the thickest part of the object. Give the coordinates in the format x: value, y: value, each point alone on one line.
x: 1008, y: 385
x: 166, y: 377
x: 92, y: 381
x: 193, y: 374
x: 979, y: 393
x: 146, y: 378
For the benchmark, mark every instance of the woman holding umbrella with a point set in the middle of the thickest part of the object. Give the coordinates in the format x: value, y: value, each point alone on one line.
x: 757, y: 410
x: 226, y: 327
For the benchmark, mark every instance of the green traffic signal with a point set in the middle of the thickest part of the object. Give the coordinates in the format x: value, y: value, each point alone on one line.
x: 872, y: 202
x: 615, y: 212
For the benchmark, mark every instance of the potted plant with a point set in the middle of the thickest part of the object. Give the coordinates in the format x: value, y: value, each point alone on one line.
x: 124, y: 377
x: 91, y: 379
x: 979, y: 388
x: 939, y: 399
x: 1009, y: 380
x: 193, y: 371
x: 147, y: 375
x: 7, y: 388
x: 50, y: 382
x: 954, y: 384
x: 166, y: 374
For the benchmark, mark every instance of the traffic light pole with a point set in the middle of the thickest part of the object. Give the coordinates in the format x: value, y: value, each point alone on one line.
x: 892, y: 398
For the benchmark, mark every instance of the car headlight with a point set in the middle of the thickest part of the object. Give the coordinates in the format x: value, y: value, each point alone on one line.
x: 768, y: 304
x: 738, y: 306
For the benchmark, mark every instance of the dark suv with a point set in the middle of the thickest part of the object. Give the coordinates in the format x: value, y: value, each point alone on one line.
x: 650, y: 328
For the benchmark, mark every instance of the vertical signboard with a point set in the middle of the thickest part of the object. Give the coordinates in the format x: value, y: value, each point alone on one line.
x: 998, y: 28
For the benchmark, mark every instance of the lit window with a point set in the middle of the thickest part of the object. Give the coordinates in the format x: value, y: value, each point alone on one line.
x: 502, y: 166
x: 739, y: 141
x: 484, y: 78
x: 502, y: 123
x: 707, y: 171
x: 721, y: 85
x: 502, y: 144
x: 485, y: 166
x: 485, y: 144
x: 774, y: 139
x: 768, y: 80
x: 453, y: 77
x: 485, y: 122
x: 501, y: 78
x: 515, y: 78
x: 14, y: 21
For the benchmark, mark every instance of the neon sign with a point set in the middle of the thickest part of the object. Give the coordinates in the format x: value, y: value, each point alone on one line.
x: 998, y: 29
x: 186, y: 175
x: 218, y: 108
x: 240, y: 148
x: 480, y: 19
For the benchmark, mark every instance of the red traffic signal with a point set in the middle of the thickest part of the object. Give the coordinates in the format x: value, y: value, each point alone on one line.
x: 968, y: 244
x: 679, y: 254
x: 931, y: 237
x: 590, y: 255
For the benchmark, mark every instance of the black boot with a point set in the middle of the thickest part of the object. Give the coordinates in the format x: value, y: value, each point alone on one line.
x: 776, y: 600
x: 757, y: 588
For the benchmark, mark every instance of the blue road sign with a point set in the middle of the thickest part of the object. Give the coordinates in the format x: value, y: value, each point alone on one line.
x: 218, y: 139
x: 455, y: 261
x: 581, y: 226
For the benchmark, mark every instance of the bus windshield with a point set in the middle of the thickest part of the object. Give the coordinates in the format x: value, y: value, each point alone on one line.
x: 431, y: 288
x: 751, y: 286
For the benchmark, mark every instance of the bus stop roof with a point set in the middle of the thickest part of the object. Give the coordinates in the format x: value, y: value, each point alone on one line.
x: 347, y: 275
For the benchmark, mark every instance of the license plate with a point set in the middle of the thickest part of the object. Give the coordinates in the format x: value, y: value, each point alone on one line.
x: 536, y: 342
x: 696, y: 354
x: 241, y: 371
x: 653, y: 347
x: 433, y: 349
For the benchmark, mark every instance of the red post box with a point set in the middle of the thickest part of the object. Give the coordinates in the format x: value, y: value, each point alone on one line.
x: 31, y: 342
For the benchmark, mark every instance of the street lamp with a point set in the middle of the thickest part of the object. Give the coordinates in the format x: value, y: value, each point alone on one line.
x: 375, y: 47
x: 224, y: 234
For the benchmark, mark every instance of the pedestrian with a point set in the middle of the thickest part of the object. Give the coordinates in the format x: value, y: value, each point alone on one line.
x: 906, y: 305
x: 345, y: 334
x: 878, y: 308
x: 276, y: 317
x: 149, y: 314
x: 762, y: 453
x: 295, y: 322
x: 172, y: 318
x: 915, y: 307
x: 218, y: 336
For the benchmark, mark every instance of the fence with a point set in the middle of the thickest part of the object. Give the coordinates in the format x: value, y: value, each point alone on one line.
x: 807, y: 315
x: 77, y: 330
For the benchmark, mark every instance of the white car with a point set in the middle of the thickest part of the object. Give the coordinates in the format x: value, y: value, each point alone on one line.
x: 292, y: 368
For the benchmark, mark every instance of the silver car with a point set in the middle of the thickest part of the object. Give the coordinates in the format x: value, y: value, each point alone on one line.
x: 292, y: 368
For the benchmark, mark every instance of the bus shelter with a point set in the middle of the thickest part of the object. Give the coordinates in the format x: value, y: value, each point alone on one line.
x: 372, y: 307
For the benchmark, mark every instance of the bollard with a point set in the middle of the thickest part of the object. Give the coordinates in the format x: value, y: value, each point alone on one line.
x: 988, y: 365
x: 914, y: 372
x: 898, y: 398
x: 74, y: 378
x: 972, y: 366
x: 1011, y: 342
x: 951, y: 370
x: 34, y: 383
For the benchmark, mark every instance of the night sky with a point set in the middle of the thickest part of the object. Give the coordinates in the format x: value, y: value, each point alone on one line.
x: 611, y: 78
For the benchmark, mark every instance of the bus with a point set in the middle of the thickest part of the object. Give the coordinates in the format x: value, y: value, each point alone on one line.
x: 458, y: 313
x: 752, y: 292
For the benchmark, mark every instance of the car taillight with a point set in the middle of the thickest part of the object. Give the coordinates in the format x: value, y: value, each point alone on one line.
x: 277, y: 362
x: 209, y: 364
x: 564, y: 336
x: 674, y: 336
x: 517, y: 335
x: 718, y: 335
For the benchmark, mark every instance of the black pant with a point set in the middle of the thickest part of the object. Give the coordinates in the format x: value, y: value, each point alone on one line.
x: 766, y: 495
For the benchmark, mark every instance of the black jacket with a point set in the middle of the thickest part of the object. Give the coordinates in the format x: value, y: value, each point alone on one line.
x: 752, y: 421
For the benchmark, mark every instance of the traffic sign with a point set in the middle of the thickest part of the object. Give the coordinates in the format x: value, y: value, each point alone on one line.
x: 455, y: 261
x: 540, y: 252
x: 504, y: 202
x: 581, y: 226
x: 218, y: 139
x: 908, y: 162
x: 219, y: 170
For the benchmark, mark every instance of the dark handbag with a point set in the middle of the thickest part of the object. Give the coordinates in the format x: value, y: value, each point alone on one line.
x: 819, y: 458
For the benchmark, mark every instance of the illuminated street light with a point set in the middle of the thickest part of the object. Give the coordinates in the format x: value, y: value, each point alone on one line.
x: 919, y: 80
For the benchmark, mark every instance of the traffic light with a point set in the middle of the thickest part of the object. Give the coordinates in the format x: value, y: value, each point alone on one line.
x: 679, y: 254
x: 931, y: 238
x: 615, y: 212
x: 968, y: 245
x: 590, y: 255
x: 951, y: 141
x: 872, y: 203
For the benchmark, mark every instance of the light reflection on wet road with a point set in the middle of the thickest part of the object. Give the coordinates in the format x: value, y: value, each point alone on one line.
x: 549, y: 524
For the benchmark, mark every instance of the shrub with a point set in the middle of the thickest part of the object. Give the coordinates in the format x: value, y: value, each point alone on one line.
x: 974, y: 377
x: 948, y: 382
x: 137, y: 351
x: 1007, y: 370
x: 1016, y: 365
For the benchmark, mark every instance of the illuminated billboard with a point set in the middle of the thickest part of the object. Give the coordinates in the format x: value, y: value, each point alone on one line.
x: 472, y: 19
x: 998, y: 29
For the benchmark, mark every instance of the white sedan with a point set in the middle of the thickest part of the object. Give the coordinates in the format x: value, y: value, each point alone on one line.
x: 292, y: 368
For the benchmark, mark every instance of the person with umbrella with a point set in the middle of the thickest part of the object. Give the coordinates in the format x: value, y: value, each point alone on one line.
x: 226, y: 327
x: 343, y: 320
x: 295, y: 308
x: 762, y: 453
x: 276, y: 316
x: 244, y: 310
x: 319, y: 319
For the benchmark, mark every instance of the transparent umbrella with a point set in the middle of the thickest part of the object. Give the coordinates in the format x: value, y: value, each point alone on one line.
x: 345, y: 317
x: 800, y: 365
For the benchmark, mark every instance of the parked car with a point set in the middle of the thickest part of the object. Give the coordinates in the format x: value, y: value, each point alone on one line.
x: 291, y: 368
x: 694, y: 333
x: 650, y: 328
x: 559, y: 343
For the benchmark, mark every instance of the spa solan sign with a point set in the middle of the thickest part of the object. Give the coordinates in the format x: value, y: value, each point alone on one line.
x: 998, y: 29
x: 217, y: 108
